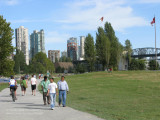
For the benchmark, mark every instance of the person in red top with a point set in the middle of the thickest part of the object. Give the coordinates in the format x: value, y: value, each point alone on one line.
x: 110, y: 70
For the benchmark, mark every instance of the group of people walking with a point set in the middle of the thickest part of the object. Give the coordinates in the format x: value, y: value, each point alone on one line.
x: 24, y: 85
x: 50, y: 90
x: 49, y: 87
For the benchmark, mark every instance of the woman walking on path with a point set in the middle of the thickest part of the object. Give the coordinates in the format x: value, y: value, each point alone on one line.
x: 33, y: 85
x: 24, y: 85
x: 52, y: 91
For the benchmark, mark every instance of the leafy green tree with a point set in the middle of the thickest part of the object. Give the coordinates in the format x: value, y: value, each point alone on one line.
x: 137, y: 64
x: 20, y: 64
x: 134, y: 65
x: 102, y: 47
x: 58, y: 69
x: 6, y: 48
x: 128, y: 48
x: 152, y: 65
x: 65, y: 59
x: 50, y: 66
x: 68, y: 59
x: 41, y: 64
x: 80, y: 68
x: 70, y: 70
x: 6, y: 67
x: 142, y: 64
x: 56, y: 60
x: 115, y: 46
x: 90, y: 53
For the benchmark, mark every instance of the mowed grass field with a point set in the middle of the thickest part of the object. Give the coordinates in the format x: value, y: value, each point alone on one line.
x: 125, y: 95
x: 3, y: 86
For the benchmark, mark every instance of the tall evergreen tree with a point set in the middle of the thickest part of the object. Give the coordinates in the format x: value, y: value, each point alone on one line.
x: 102, y: 47
x: 6, y: 48
x: 90, y: 53
x: 128, y: 48
x: 20, y: 64
x: 115, y: 46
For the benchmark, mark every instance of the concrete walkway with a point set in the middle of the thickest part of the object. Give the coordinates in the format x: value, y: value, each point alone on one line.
x: 31, y: 107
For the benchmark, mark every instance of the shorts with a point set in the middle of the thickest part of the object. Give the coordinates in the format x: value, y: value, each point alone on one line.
x: 23, y: 88
x: 33, y: 87
x: 13, y: 87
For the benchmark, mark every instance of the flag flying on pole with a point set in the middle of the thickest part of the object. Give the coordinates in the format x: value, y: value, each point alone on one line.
x: 102, y: 19
x: 153, y: 21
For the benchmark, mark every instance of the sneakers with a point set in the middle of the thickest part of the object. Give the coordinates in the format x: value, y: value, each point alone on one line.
x: 52, y: 108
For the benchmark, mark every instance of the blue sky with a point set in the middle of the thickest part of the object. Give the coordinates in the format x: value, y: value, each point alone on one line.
x: 62, y: 19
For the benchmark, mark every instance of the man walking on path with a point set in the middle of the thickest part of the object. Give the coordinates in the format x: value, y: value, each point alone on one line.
x: 62, y: 87
x: 44, y: 85
x: 52, y: 91
x: 33, y: 84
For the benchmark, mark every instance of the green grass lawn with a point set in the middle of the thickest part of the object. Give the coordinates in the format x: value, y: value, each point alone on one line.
x: 3, y: 86
x: 125, y: 95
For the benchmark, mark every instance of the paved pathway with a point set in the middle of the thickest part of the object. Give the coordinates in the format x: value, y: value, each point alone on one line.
x: 30, y: 107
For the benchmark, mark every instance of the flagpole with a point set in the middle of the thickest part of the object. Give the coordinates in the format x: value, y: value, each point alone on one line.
x: 155, y: 43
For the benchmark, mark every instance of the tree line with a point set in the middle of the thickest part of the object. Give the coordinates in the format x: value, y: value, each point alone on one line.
x: 39, y: 64
x: 107, y: 50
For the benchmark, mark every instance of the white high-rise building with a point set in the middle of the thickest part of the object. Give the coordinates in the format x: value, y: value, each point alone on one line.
x: 21, y: 35
x: 82, y: 52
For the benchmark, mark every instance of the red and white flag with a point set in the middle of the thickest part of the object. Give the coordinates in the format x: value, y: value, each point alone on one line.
x: 102, y: 19
x: 153, y: 21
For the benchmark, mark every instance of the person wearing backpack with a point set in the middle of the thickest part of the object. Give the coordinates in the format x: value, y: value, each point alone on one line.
x: 24, y: 85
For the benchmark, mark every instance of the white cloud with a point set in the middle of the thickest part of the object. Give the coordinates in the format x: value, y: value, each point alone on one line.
x: 149, y: 1
x: 28, y: 21
x: 55, y: 37
x: 85, y: 15
x: 9, y: 2
x: 12, y: 2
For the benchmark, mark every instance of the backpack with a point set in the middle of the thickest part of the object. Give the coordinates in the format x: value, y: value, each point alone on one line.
x: 24, y: 83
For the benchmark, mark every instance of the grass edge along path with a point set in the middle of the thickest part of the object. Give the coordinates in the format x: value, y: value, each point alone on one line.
x: 6, y: 85
x: 3, y: 86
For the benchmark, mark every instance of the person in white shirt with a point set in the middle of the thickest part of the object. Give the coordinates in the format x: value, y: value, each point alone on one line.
x: 13, y: 84
x: 52, y: 91
x: 39, y: 76
x: 63, y: 88
x: 33, y: 84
